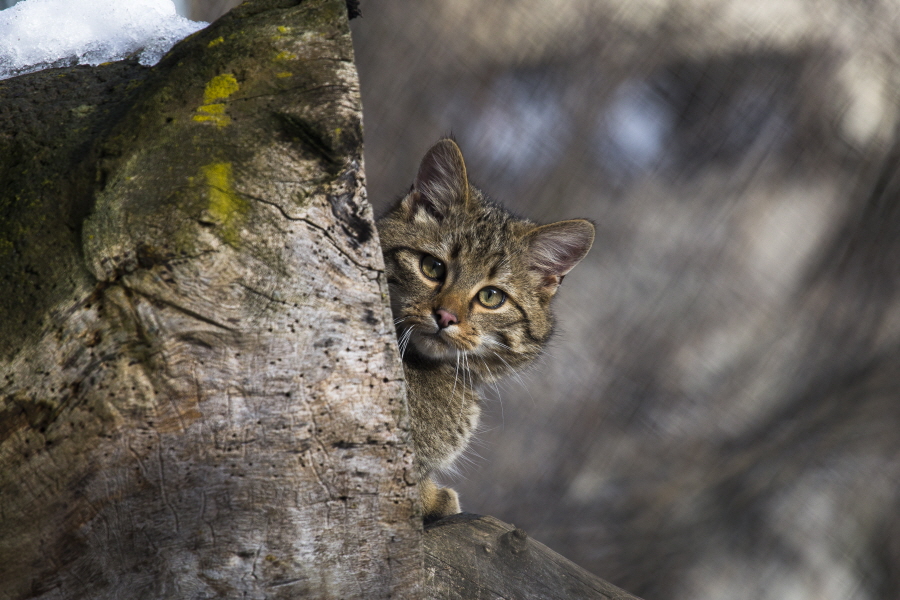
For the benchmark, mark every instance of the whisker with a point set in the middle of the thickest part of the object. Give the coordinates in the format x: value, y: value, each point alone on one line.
x: 546, y: 352
x: 465, y: 368
x: 462, y: 404
x: 464, y: 372
x: 515, y: 374
x: 503, y: 360
x: 496, y: 389
x: 404, y: 340
x: 455, y: 375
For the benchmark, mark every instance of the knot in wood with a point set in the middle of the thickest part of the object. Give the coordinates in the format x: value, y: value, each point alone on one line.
x: 515, y: 541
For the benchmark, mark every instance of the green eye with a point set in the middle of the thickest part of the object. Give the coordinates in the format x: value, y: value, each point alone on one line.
x: 491, y: 297
x: 433, y: 268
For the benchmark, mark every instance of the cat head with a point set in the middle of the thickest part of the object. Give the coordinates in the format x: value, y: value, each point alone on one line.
x: 467, y: 279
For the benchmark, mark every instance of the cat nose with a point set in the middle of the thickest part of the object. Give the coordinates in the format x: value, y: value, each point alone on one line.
x: 445, y: 318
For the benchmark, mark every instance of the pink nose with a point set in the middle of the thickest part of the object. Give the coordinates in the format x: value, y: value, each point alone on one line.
x: 445, y: 318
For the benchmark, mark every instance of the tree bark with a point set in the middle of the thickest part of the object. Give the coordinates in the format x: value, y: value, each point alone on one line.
x: 472, y: 557
x: 200, y: 392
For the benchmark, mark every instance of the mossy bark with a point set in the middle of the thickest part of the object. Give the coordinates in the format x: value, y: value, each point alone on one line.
x: 200, y: 393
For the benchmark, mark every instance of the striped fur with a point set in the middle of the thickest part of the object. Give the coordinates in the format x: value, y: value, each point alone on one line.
x: 480, y: 245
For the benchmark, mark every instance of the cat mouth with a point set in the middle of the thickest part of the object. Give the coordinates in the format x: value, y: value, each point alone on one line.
x: 439, y: 344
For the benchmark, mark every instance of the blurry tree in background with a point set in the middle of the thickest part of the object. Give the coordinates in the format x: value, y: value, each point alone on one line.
x: 720, y: 414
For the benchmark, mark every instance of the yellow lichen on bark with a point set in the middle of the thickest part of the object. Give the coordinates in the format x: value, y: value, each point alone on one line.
x: 226, y: 207
x: 218, y: 88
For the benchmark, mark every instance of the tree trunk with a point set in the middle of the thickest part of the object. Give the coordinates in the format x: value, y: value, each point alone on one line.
x: 201, y: 394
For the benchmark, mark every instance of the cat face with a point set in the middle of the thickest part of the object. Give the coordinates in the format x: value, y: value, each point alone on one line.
x: 468, y: 281
x: 456, y: 288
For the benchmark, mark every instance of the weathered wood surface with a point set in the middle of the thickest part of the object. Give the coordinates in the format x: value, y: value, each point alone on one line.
x: 473, y: 557
x: 200, y: 393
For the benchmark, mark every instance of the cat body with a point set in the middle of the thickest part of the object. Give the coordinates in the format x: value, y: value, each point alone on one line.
x: 470, y: 290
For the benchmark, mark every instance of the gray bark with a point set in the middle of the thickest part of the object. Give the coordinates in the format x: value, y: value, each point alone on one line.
x: 200, y: 392
x: 472, y: 557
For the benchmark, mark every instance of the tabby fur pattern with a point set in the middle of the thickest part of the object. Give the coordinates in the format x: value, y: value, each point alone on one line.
x: 470, y: 289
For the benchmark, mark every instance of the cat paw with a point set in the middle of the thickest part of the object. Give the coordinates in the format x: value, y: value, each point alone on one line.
x: 438, y: 502
x: 446, y: 503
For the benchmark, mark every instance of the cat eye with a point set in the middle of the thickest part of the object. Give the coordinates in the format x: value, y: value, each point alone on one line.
x: 491, y: 297
x: 433, y: 268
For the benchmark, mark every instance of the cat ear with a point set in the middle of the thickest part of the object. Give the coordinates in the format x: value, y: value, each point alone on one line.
x: 555, y: 249
x: 441, y: 181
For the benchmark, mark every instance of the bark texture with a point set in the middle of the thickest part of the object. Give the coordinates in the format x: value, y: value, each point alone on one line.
x: 200, y: 392
x: 472, y: 557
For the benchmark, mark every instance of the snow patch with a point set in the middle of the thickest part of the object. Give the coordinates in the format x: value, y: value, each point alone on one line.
x: 44, y: 34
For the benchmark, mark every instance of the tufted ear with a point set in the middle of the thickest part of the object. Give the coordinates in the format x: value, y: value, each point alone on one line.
x: 555, y: 249
x: 441, y: 181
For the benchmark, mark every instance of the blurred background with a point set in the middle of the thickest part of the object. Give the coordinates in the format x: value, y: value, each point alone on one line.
x: 719, y: 413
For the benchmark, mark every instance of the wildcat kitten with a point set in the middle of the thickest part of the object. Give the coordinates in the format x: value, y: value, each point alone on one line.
x: 470, y: 290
